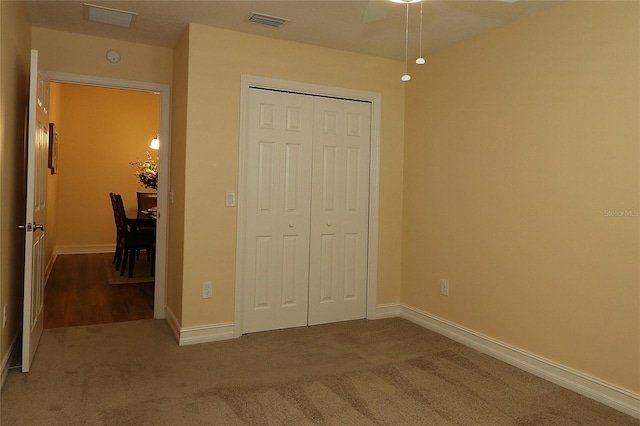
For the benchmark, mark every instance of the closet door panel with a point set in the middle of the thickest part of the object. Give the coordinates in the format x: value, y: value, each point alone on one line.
x: 276, y: 257
x: 339, y: 211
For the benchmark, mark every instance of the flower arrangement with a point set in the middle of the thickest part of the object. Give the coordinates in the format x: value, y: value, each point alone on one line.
x: 147, y: 172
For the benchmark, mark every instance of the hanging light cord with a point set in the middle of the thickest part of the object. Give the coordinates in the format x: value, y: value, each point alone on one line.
x: 420, y: 60
x: 406, y: 76
x: 421, y: 29
x: 406, y: 43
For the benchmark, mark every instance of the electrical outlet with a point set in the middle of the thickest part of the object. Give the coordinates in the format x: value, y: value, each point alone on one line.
x: 444, y: 287
x: 207, y: 290
x: 4, y: 315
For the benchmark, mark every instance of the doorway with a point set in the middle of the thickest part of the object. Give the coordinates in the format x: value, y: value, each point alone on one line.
x: 319, y: 266
x: 162, y: 91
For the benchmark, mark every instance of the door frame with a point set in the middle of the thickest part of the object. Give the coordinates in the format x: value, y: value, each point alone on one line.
x: 164, y: 90
x: 375, y: 98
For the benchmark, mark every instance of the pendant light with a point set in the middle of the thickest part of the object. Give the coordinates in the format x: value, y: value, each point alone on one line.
x: 155, y: 143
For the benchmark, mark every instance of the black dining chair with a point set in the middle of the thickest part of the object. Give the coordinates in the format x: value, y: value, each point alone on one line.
x: 117, y: 256
x: 132, y: 240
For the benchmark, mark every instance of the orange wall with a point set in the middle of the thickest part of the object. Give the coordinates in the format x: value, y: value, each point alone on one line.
x: 52, y: 183
x: 100, y: 132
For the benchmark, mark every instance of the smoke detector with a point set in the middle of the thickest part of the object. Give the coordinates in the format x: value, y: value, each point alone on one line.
x: 113, y: 56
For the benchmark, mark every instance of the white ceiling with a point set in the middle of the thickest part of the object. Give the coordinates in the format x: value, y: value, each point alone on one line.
x: 375, y: 27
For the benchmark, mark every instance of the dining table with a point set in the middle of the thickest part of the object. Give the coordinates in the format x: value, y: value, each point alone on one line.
x: 142, y: 219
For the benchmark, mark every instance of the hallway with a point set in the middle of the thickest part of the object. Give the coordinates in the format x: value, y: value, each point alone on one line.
x: 78, y: 293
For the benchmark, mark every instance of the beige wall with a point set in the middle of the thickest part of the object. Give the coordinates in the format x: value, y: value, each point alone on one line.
x: 14, y: 93
x: 85, y: 55
x: 179, y: 110
x: 216, y: 60
x: 520, y: 145
x: 100, y: 132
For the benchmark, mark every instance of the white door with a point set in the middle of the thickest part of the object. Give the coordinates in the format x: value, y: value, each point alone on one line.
x: 305, y: 262
x: 36, y: 212
x: 276, y: 258
x: 339, y: 211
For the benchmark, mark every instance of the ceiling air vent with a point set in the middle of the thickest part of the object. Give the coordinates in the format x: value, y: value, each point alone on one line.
x: 272, y: 21
x: 108, y: 15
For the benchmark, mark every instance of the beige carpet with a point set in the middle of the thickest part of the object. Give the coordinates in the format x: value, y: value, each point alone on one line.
x: 141, y: 271
x: 384, y: 372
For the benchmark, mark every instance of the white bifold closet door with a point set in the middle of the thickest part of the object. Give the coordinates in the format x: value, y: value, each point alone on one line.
x: 339, y: 211
x: 306, y: 221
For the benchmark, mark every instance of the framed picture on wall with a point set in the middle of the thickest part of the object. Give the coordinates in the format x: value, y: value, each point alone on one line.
x: 53, y: 149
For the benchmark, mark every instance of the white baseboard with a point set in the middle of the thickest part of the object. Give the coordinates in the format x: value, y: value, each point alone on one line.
x: 204, y: 334
x: 390, y: 310
x: 86, y: 249
x: 201, y: 334
x: 174, y: 325
x: 5, y: 360
x: 591, y: 387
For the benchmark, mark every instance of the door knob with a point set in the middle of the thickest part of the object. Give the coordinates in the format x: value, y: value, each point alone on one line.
x: 31, y: 227
x: 329, y: 224
x: 291, y: 225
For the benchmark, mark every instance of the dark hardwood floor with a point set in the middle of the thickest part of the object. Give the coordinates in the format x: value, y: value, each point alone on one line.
x: 78, y: 293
